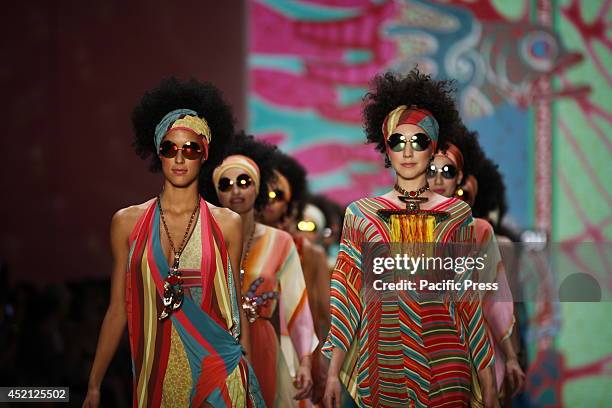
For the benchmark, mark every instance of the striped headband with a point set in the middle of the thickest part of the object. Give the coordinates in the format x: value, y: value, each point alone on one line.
x: 403, y: 115
x: 237, y: 161
x: 181, y: 119
x: 454, y: 154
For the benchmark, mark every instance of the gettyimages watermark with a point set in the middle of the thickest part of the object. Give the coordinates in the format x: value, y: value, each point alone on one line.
x: 512, y: 272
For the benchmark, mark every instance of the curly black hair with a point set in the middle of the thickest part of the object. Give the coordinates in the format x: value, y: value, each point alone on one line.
x: 467, y: 142
x: 391, y: 90
x: 491, y: 190
x: 171, y: 94
x: 260, y: 152
x: 296, y: 175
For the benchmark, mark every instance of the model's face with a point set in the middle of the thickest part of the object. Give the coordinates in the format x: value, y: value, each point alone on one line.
x: 443, y: 176
x: 239, y: 195
x: 410, y: 157
x: 275, y: 210
x: 179, y: 170
x: 307, y: 228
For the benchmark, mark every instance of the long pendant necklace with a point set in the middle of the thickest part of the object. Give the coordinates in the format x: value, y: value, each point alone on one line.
x: 246, y: 254
x: 173, y: 286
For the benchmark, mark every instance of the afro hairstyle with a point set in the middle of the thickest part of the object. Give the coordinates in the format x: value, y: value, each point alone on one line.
x: 491, y: 191
x: 467, y: 142
x: 171, y: 94
x: 296, y: 175
x: 391, y: 90
x: 260, y: 152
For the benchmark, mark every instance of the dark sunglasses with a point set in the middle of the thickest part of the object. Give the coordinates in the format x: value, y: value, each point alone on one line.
x: 419, y: 142
x: 191, y: 150
x: 306, y: 226
x: 448, y: 171
x: 276, y: 195
x: 243, y: 181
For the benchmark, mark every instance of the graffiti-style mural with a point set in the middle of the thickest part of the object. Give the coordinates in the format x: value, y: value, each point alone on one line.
x: 533, y: 79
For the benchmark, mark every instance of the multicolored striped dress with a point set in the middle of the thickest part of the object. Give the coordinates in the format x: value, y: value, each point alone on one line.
x: 403, y: 350
x: 284, y: 331
x: 193, y: 357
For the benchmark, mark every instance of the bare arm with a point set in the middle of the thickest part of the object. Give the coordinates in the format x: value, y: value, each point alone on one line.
x: 486, y: 378
x: 323, y: 288
x: 332, y: 387
x: 115, y: 318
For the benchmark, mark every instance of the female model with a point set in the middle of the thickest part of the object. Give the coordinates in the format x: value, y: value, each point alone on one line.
x: 176, y: 257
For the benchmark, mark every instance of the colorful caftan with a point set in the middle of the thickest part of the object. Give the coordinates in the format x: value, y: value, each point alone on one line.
x: 403, y: 350
x: 284, y: 331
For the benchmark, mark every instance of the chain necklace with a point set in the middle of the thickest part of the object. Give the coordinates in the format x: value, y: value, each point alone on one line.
x: 412, y: 193
x: 173, y: 287
x: 246, y: 254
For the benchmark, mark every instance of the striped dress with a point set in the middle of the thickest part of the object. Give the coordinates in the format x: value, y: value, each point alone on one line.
x: 284, y: 331
x: 193, y: 357
x: 403, y: 350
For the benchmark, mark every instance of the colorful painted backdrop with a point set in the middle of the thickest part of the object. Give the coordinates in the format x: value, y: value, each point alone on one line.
x: 532, y: 79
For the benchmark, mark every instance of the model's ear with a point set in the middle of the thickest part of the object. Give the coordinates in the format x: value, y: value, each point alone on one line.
x: 205, y: 154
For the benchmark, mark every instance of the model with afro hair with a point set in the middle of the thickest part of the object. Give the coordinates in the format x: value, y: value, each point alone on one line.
x: 407, y: 118
x: 292, y: 185
x: 165, y: 282
x: 454, y: 164
x: 392, y: 90
x: 463, y: 160
x: 260, y: 152
x: 272, y: 279
x: 202, y: 97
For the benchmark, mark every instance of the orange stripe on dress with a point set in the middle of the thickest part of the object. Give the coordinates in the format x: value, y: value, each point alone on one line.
x: 297, y: 310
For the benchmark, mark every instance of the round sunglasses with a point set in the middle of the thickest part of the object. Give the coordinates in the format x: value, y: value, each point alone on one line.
x: 419, y: 142
x: 243, y: 181
x: 448, y: 171
x: 191, y: 150
x: 306, y: 226
x: 276, y: 195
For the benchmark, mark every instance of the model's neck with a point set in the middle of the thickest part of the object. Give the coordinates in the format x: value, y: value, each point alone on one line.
x: 412, y: 184
x: 179, y: 199
x: 248, y: 224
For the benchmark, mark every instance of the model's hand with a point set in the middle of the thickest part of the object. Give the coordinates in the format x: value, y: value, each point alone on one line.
x: 320, y: 366
x: 303, y: 382
x: 515, y: 375
x: 331, y: 398
x: 490, y: 398
x: 92, y: 399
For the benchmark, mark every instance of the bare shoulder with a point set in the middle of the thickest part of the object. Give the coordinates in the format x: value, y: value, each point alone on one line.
x: 226, y: 218
x: 125, y: 219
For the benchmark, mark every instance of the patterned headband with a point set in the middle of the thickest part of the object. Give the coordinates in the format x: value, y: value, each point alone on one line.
x: 454, y: 154
x: 240, y: 162
x: 181, y: 119
x: 403, y: 115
